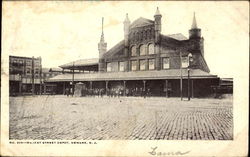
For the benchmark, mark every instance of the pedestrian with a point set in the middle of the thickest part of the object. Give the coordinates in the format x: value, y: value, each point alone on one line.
x: 67, y: 92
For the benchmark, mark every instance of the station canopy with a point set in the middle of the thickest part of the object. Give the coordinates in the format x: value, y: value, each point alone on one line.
x: 134, y: 75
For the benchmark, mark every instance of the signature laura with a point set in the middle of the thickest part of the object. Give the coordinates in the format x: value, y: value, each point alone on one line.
x: 158, y: 153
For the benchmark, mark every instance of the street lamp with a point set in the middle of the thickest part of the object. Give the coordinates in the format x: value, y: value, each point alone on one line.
x: 190, y: 59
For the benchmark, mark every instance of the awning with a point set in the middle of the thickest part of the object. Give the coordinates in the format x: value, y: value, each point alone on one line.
x: 133, y: 75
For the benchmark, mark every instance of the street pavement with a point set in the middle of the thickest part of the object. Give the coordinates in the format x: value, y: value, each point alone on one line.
x: 124, y: 118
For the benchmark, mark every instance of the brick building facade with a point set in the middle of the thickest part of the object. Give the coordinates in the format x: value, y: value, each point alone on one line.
x: 148, y: 60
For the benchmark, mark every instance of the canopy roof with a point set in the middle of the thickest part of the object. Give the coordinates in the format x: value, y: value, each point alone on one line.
x: 133, y: 75
x: 81, y: 63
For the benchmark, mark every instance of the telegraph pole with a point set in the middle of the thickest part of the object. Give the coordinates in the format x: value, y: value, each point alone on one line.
x: 32, y: 76
x: 73, y: 77
x: 181, y: 75
x: 190, y: 59
x: 40, y: 76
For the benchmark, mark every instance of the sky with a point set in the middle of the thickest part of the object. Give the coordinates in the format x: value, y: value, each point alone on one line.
x: 64, y: 31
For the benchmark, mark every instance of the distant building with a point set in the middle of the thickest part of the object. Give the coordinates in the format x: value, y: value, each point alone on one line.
x: 26, y: 73
x: 146, y: 60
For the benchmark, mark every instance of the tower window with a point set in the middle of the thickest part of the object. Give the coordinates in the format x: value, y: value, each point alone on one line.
x: 165, y: 62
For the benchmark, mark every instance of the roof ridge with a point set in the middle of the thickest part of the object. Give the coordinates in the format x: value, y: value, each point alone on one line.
x: 141, y: 20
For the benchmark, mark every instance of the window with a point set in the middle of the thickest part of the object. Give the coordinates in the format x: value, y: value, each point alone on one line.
x: 28, y: 71
x: 143, y: 50
x: 133, y: 51
x: 142, y: 64
x: 121, y: 66
x: 184, y: 62
x: 37, y: 71
x: 165, y: 63
x: 108, y: 67
x: 151, y: 64
x: 151, y: 49
x: 28, y: 63
x: 133, y: 65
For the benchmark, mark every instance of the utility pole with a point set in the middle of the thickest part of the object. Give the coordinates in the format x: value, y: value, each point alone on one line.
x: 40, y: 75
x: 32, y: 77
x: 73, y: 77
x: 190, y: 59
x: 181, y: 75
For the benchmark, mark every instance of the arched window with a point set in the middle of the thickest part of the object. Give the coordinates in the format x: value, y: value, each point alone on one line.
x: 137, y: 36
x: 148, y: 34
x: 133, y: 51
x: 151, y: 49
x: 143, y: 50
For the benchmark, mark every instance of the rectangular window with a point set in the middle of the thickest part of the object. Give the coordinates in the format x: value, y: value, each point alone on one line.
x: 108, y: 67
x: 28, y: 71
x: 184, y: 62
x: 37, y: 71
x: 151, y: 64
x: 142, y: 64
x: 21, y: 61
x: 37, y: 63
x: 28, y: 63
x: 121, y: 66
x: 133, y: 65
x: 165, y: 62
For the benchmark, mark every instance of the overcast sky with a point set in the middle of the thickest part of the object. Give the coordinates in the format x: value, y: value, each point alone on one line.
x: 61, y: 32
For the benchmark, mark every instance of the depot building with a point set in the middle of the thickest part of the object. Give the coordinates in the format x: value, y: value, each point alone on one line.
x: 145, y: 60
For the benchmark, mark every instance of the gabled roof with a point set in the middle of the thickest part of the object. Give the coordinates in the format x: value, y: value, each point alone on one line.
x: 140, y: 22
x: 134, y: 75
x: 81, y: 62
x: 115, y: 50
x: 177, y: 36
x: 169, y: 42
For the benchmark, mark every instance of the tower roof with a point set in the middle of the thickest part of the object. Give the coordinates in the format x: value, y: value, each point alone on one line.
x: 194, y: 24
x: 157, y: 11
x: 127, y: 19
x: 102, y: 36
